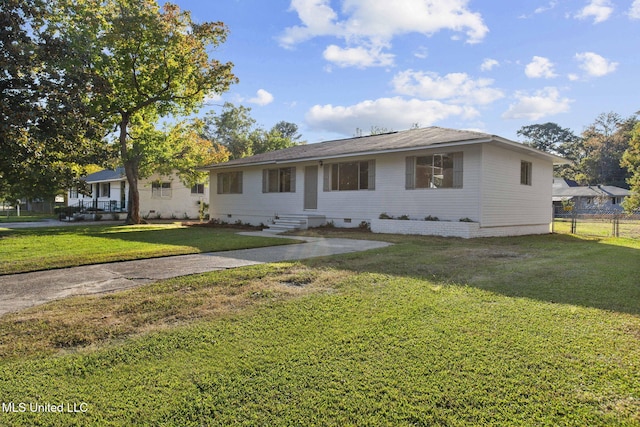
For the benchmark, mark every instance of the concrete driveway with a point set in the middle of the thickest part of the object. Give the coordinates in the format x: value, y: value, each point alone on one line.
x: 19, y: 291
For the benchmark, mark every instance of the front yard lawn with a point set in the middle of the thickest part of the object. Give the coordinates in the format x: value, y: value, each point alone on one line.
x: 539, y: 330
x: 31, y: 249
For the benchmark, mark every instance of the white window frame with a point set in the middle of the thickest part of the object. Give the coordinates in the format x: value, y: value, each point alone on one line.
x: 230, y: 182
x: 336, y: 176
x: 161, y: 190
x: 280, y: 180
x: 437, y: 171
x: 526, y: 172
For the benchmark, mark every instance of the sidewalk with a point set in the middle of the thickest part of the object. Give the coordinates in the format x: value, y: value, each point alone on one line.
x: 19, y: 291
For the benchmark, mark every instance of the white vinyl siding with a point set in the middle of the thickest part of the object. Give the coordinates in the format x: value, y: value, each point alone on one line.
x: 505, y: 201
x: 486, y: 177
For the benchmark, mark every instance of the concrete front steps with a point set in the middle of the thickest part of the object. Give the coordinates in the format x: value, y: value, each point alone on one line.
x: 292, y: 222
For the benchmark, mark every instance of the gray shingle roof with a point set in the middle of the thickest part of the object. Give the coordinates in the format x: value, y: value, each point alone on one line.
x: 106, y: 175
x: 404, y: 140
x: 562, y: 188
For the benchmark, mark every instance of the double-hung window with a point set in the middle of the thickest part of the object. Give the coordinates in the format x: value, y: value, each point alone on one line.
x: 161, y: 190
x: 230, y: 183
x: 281, y: 180
x: 442, y: 170
x: 347, y: 176
x: 197, y: 189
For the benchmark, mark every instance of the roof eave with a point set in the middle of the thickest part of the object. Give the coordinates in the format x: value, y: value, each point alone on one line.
x: 346, y: 155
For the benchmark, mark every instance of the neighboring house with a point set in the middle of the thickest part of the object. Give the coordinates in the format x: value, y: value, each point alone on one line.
x: 567, y: 193
x: 160, y: 196
x: 494, y: 185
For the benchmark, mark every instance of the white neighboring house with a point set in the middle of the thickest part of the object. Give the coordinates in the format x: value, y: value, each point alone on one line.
x: 160, y: 196
x: 475, y: 184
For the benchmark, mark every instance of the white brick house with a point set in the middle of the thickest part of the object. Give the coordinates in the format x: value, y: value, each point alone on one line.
x: 496, y: 186
x: 160, y: 196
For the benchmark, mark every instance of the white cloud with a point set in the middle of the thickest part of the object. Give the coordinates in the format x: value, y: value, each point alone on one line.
x: 372, y: 24
x: 600, y: 10
x: 540, y: 67
x: 212, y: 97
x: 454, y: 87
x: 489, y: 64
x: 542, y: 103
x: 318, y: 19
x: 262, y: 98
x: 360, y: 57
x: 392, y: 113
x: 634, y: 11
x: 595, y: 65
x: 542, y: 9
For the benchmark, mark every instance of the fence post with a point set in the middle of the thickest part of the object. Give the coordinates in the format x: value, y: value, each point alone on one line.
x: 574, y: 222
x: 616, y: 226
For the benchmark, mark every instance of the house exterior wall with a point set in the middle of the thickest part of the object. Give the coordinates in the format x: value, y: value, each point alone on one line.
x: 491, y: 173
x: 179, y: 204
x: 102, y: 201
x: 504, y: 200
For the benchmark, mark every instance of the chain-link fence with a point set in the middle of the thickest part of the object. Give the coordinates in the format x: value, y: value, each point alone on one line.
x: 600, y: 223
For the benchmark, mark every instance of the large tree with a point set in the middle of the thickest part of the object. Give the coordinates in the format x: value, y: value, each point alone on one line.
x: 605, y: 141
x: 47, y: 130
x: 548, y: 137
x: 552, y: 138
x: 235, y: 129
x: 152, y: 62
x: 631, y: 161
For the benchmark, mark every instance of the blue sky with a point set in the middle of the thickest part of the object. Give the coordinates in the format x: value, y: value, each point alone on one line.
x: 333, y: 67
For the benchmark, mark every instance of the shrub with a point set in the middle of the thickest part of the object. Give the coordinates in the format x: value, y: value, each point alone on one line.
x: 466, y: 220
x: 431, y: 218
x: 404, y: 217
x: 384, y: 215
x: 364, y: 225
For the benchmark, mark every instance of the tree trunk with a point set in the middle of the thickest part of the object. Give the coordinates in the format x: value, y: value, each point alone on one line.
x: 133, y: 210
x: 130, y: 164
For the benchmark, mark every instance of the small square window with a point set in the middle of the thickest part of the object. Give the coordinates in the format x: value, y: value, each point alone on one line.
x: 197, y: 189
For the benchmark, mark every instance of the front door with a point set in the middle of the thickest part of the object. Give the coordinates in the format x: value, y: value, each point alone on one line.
x: 311, y: 187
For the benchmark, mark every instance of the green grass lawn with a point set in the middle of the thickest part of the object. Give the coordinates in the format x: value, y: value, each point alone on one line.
x: 628, y: 228
x: 538, y: 330
x: 26, y: 217
x: 44, y: 248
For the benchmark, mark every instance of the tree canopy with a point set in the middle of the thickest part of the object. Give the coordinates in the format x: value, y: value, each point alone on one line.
x: 596, y: 154
x: 151, y: 62
x: 47, y: 130
x: 235, y: 129
x: 631, y: 161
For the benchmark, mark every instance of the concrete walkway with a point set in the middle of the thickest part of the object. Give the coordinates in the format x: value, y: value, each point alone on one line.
x: 19, y: 291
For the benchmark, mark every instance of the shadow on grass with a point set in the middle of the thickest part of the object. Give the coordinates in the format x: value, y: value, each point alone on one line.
x: 563, y: 269
x: 202, y: 239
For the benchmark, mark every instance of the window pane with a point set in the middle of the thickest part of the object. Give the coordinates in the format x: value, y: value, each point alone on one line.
x: 334, y: 177
x: 273, y: 181
x: 424, y: 168
x: 349, y: 176
x: 285, y: 180
x: 364, y: 175
x: 525, y: 173
x: 439, y: 171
